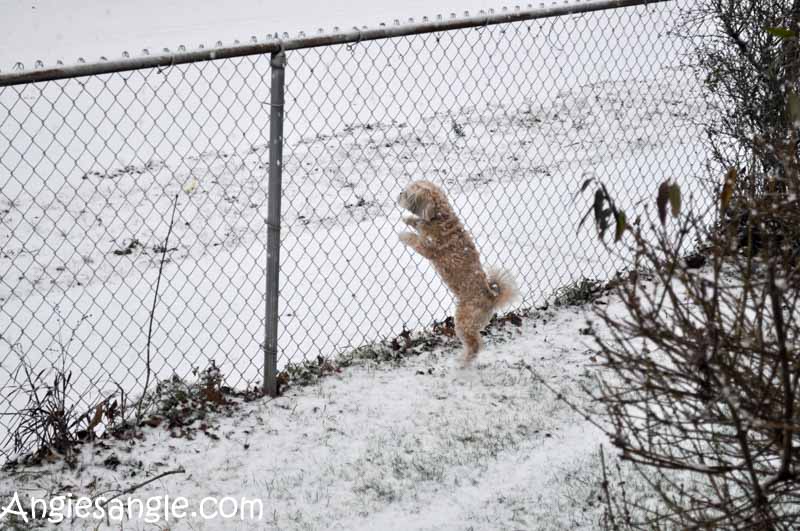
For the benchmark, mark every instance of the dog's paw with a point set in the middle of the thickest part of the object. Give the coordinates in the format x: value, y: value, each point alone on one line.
x: 466, y: 364
x: 465, y: 374
x: 407, y: 238
x: 411, y: 220
x: 459, y: 365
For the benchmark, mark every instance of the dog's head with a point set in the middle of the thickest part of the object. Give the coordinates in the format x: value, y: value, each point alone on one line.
x: 424, y: 199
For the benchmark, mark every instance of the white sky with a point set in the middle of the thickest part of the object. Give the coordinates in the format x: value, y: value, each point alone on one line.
x: 67, y: 29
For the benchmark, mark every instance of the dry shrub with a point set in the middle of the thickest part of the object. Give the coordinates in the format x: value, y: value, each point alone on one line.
x: 700, y: 387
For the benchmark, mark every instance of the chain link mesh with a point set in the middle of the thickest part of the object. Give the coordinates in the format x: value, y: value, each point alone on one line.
x: 90, y: 169
x: 509, y: 118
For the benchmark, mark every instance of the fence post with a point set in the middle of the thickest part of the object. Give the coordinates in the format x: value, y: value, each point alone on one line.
x: 277, y: 66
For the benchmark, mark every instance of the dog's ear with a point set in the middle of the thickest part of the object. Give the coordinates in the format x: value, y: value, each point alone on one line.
x: 410, y: 199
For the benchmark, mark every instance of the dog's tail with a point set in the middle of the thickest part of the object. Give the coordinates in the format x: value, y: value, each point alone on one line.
x: 503, y: 286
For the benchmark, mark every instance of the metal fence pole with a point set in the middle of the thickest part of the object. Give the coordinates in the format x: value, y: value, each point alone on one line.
x: 278, y: 66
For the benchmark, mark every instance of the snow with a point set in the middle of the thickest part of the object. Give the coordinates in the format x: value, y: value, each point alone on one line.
x: 417, y: 444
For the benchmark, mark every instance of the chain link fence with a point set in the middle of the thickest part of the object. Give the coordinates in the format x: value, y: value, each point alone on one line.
x: 509, y: 117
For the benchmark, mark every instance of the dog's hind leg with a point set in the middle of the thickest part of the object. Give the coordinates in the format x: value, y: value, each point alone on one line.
x: 472, y: 344
x: 468, y: 330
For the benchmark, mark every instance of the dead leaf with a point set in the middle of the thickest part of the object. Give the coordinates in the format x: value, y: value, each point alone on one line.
x: 661, y: 201
x: 727, y: 189
x: 675, y: 199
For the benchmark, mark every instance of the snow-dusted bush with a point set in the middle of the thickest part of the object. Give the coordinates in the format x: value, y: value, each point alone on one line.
x: 702, y: 368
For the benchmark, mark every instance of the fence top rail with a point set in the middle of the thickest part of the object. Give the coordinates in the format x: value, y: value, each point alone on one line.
x: 540, y: 9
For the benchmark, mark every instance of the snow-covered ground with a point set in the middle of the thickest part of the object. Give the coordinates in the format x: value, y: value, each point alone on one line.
x: 408, y: 445
x: 510, y: 119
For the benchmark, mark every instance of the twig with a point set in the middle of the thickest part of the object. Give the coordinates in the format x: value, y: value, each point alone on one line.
x: 582, y: 411
x: 612, y: 521
x: 776, y: 300
x: 153, y: 310
x: 136, y: 487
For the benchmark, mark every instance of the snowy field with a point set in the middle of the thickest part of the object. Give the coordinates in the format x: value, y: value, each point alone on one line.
x: 510, y: 119
x: 417, y: 444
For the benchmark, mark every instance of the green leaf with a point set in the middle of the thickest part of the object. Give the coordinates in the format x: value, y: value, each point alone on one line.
x: 586, y: 184
x: 621, y: 226
x: 661, y: 201
x: 793, y: 106
x: 675, y: 200
x: 782, y: 33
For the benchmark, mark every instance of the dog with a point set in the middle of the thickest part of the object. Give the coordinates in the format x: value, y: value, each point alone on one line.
x: 440, y: 237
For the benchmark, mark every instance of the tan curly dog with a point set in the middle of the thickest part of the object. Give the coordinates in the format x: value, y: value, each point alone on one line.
x: 440, y: 237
